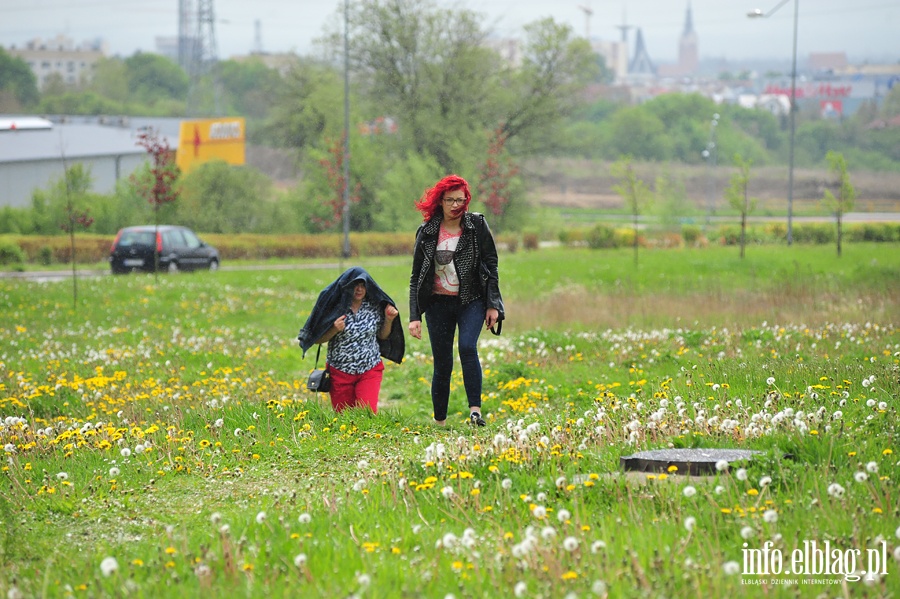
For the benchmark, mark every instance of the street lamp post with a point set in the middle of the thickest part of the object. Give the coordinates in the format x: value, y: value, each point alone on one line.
x: 346, y: 212
x: 710, y: 154
x: 792, y: 117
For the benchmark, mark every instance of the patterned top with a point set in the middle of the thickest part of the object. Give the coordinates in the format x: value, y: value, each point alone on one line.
x: 446, y: 280
x: 355, y: 349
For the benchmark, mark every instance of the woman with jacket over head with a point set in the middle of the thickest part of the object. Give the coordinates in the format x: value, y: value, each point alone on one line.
x: 359, y: 322
x: 454, y: 282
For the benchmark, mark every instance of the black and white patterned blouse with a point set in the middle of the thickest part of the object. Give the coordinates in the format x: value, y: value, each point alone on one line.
x: 355, y: 349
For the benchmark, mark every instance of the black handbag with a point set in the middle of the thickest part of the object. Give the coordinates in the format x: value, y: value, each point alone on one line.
x: 319, y: 380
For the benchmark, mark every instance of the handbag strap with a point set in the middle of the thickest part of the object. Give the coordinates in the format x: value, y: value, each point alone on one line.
x: 318, y: 351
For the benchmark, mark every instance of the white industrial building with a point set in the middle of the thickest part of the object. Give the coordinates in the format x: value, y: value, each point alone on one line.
x: 35, y: 151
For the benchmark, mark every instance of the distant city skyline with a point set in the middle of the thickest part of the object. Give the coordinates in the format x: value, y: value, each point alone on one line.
x: 865, y: 31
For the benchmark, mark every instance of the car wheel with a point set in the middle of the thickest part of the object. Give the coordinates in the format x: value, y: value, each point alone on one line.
x: 173, y: 266
x: 214, y: 264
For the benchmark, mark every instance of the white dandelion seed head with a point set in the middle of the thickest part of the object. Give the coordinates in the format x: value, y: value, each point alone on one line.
x: 870, y: 403
x: 125, y: 452
x: 719, y: 489
x: 570, y: 544
x: 447, y: 492
x: 260, y: 517
x: 747, y: 533
x: 599, y: 588
x: 770, y: 516
x: 882, y: 405
x: 872, y: 467
x: 722, y: 465
x: 62, y: 476
x: 539, y: 512
x: 563, y: 515
x: 224, y: 529
x: 836, y: 490
x: 597, y: 546
x: 560, y: 482
x: 364, y: 580
x: 770, y: 381
x: 897, y: 532
x: 362, y: 464
x: 548, y: 533
x: 215, y: 518
x: 520, y: 589
x: 689, y: 491
x: 741, y: 474
x: 304, y: 518
x: 731, y: 568
x: 220, y: 423
x: 237, y: 432
x: 689, y: 523
x: 897, y: 553
x: 109, y: 566
x: 507, y: 483
x: 449, y: 540
x: 300, y: 560
x: 861, y: 477
x: 114, y: 472
x: 542, y: 497
x: 14, y: 593
x: 765, y: 481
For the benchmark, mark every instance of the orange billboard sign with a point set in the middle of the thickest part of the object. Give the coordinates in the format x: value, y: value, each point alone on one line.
x: 203, y: 140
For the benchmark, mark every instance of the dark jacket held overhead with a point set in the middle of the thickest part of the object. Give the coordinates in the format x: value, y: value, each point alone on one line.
x: 334, y: 301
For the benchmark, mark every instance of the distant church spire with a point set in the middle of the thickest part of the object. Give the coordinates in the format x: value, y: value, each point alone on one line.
x: 688, y: 56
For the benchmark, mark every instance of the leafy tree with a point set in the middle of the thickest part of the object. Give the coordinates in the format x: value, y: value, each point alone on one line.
x: 640, y: 134
x: 436, y: 79
x: 160, y: 189
x: 671, y: 202
x: 153, y: 78
x: 251, y: 87
x: 309, y: 106
x: 18, y: 85
x: 846, y: 194
x: 217, y: 197
x: 110, y: 80
x: 556, y: 66
x: 77, y: 181
x: 634, y: 191
x: 738, y: 197
x: 496, y: 175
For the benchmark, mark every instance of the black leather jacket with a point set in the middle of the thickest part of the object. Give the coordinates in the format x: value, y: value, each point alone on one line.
x: 475, y: 261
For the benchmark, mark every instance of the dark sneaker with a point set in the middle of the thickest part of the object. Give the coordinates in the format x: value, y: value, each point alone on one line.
x: 475, y: 419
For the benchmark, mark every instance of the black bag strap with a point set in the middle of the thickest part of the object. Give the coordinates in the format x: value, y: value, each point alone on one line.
x: 318, y: 351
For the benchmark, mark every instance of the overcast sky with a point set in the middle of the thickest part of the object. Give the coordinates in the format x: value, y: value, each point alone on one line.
x: 864, y: 29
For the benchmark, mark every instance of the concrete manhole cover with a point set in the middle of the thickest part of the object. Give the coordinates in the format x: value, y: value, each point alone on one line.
x: 688, y: 461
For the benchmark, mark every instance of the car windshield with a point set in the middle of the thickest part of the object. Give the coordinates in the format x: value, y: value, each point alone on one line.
x: 130, y: 238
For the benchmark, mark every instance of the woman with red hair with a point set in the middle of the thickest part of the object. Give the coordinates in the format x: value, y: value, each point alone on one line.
x: 455, y: 283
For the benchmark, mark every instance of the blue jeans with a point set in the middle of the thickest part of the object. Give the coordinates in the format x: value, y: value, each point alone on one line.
x: 443, y: 317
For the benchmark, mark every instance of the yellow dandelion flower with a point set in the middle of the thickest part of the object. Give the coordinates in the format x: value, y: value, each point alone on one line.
x: 171, y: 550
x: 137, y: 562
x: 248, y: 567
x: 725, y: 510
x: 887, y: 451
x: 877, y: 510
x: 651, y: 477
x: 673, y: 468
x: 395, y: 550
x: 752, y: 492
x: 475, y: 492
x: 663, y: 476
x: 851, y: 453
x: 586, y: 528
x: 570, y: 575
x: 487, y: 508
x: 170, y: 564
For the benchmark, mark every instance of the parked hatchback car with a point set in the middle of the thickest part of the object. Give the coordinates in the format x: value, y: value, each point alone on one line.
x: 177, y: 248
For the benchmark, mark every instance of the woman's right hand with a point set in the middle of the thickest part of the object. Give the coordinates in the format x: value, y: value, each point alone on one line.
x: 341, y: 323
x: 415, y: 328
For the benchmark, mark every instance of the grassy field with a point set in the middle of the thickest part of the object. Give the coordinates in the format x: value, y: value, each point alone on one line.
x: 159, y: 442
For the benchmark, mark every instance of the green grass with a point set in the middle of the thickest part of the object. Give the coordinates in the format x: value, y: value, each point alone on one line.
x: 237, y: 482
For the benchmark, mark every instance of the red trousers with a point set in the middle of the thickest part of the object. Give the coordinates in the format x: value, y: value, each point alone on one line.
x: 351, y: 390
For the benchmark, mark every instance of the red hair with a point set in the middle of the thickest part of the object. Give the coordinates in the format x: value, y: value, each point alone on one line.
x: 431, y: 200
